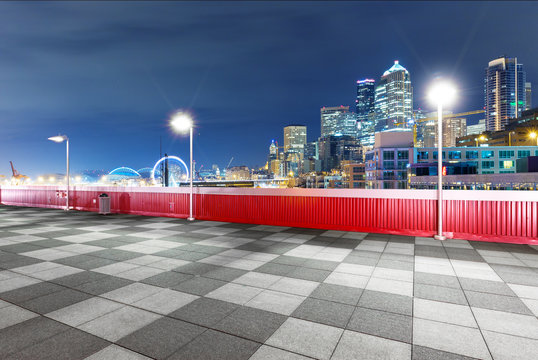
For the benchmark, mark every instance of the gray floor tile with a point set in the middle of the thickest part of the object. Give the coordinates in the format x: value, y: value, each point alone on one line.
x: 507, y: 323
x: 161, y: 338
x: 70, y: 345
x: 361, y: 260
x: 450, y: 338
x: 354, y: 345
x: 119, y: 323
x: 320, y: 264
x: 397, y: 265
x: 17, y: 337
x: 497, y: 302
x: 425, y: 353
x: 508, y: 347
x: 84, y: 311
x: 380, y: 323
x: 439, y: 293
x: 276, y: 269
x: 116, y: 352
x: 20, y: 295
x: 167, y: 279
x: 225, y: 274
x: 486, y: 286
x: 306, y: 338
x: 103, y: 285
x: 337, y: 293
x: 196, y: 268
x: 289, y: 260
x: 271, y: 353
x: 383, y: 301
x: 437, y: 280
x: 324, y: 312
x: 214, y: 345
x: 54, y: 301
x: 204, y: 311
x: 78, y: 278
x: 309, y: 274
x: 199, y: 285
x: 12, y: 314
x: 253, y: 324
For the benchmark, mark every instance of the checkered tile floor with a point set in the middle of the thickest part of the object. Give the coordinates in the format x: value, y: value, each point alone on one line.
x: 77, y: 285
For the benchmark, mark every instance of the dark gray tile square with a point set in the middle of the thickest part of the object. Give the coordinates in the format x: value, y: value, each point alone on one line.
x: 116, y: 255
x: 18, y: 262
x: 17, y: 337
x: 171, y: 253
x: 253, y: 324
x: 309, y: 274
x: 199, y: 285
x: 72, y: 344
x: 103, y: 285
x: 161, y: 338
x: 440, y: 293
x: 20, y: 295
x: 497, y: 302
x: 191, y: 256
x: 54, y: 301
x: 196, y: 268
x: 320, y: 264
x: 107, y: 243
x: 167, y: 279
x: 20, y: 248
x: 225, y: 274
x: 324, y: 312
x: 380, y: 323
x: 214, y: 345
x: 289, y: 260
x: 337, y: 293
x: 486, y: 286
x: 276, y: 269
x: 277, y: 249
x: 463, y: 254
x: 78, y: 278
x: 204, y: 311
x: 75, y: 261
x: 211, y: 250
x: 387, y: 302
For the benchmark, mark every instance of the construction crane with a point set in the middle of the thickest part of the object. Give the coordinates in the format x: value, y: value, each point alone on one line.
x: 447, y: 116
x: 17, y: 177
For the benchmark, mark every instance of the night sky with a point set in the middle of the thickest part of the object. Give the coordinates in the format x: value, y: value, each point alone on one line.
x: 109, y: 74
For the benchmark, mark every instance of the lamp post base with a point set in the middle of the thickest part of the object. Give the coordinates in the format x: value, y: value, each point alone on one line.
x: 190, y: 218
x: 439, y: 237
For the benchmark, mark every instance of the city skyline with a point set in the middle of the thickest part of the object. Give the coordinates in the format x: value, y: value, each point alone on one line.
x: 109, y: 79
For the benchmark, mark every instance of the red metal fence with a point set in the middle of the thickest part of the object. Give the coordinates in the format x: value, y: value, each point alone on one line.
x: 504, y: 216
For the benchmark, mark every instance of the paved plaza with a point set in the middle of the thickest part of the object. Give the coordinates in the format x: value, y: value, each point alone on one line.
x: 78, y: 285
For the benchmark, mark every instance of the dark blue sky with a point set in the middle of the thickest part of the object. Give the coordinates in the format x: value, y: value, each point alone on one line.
x: 108, y: 74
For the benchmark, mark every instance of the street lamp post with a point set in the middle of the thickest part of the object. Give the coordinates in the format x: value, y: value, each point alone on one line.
x: 181, y: 122
x: 441, y: 94
x: 59, y: 139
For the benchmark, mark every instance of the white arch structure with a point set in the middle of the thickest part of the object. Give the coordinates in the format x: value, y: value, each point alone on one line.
x: 169, y: 158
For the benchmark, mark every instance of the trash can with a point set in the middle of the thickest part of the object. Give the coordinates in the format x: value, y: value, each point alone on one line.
x: 104, y: 204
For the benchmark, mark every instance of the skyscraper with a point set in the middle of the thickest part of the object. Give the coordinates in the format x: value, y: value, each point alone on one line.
x: 294, y: 138
x: 393, y: 98
x: 365, y: 103
x: 504, y: 92
x: 329, y: 119
x: 528, y: 96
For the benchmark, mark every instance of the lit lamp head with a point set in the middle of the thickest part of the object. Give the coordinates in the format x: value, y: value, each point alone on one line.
x: 533, y: 135
x: 58, y: 138
x: 181, y: 122
x: 482, y: 138
x: 442, y: 93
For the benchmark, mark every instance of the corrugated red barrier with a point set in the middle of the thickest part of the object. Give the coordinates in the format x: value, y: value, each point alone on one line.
x: 501, y: 216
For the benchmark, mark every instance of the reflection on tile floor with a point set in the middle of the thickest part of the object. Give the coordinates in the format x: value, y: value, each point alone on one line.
x: 77, y: 285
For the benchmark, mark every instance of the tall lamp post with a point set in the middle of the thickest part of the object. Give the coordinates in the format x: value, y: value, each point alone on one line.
x: 59, y: 139
x: 441, y: 94
x: 181, y: 122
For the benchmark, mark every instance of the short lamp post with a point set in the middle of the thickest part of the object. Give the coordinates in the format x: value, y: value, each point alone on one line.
x: 181, y: 122
x: 441, y: 94
x: 481, y: 138
x: 534, y: 135
x: 59, y: 139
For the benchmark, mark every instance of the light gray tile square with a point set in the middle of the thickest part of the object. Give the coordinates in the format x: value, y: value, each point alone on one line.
x: 306, y: 338
x: 165, y: 301
x: 444, y: 312
x: 507, y: 323
x: 11, y: 315
x: 84, y: 311
x: 294, y: 286
x: 277, y: 302
x: 354, y: 345
x: 234, y: 293
x: 508, y: 347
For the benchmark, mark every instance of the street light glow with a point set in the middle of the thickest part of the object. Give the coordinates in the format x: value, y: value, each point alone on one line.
x: 181, y: 122
x: 533, y: 135
x: 442, y: 93
x: 58, y: 138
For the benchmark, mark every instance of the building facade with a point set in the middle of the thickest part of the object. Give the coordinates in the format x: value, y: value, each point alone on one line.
x: 365, y: 103
x: 394, y: 99
x: 329, y: 119
x: 477, y: 128
x: 294, y: 138
x: 504, y: 92
x: 528, y: 95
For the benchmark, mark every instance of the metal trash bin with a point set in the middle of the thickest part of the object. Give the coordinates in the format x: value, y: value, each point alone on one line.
x: 104, y: 204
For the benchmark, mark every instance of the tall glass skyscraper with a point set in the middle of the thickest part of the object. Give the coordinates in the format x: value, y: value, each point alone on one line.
x: 330, y: 119
x: 504, y: 92
x: 365, y: 103
x: 394, y: 98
